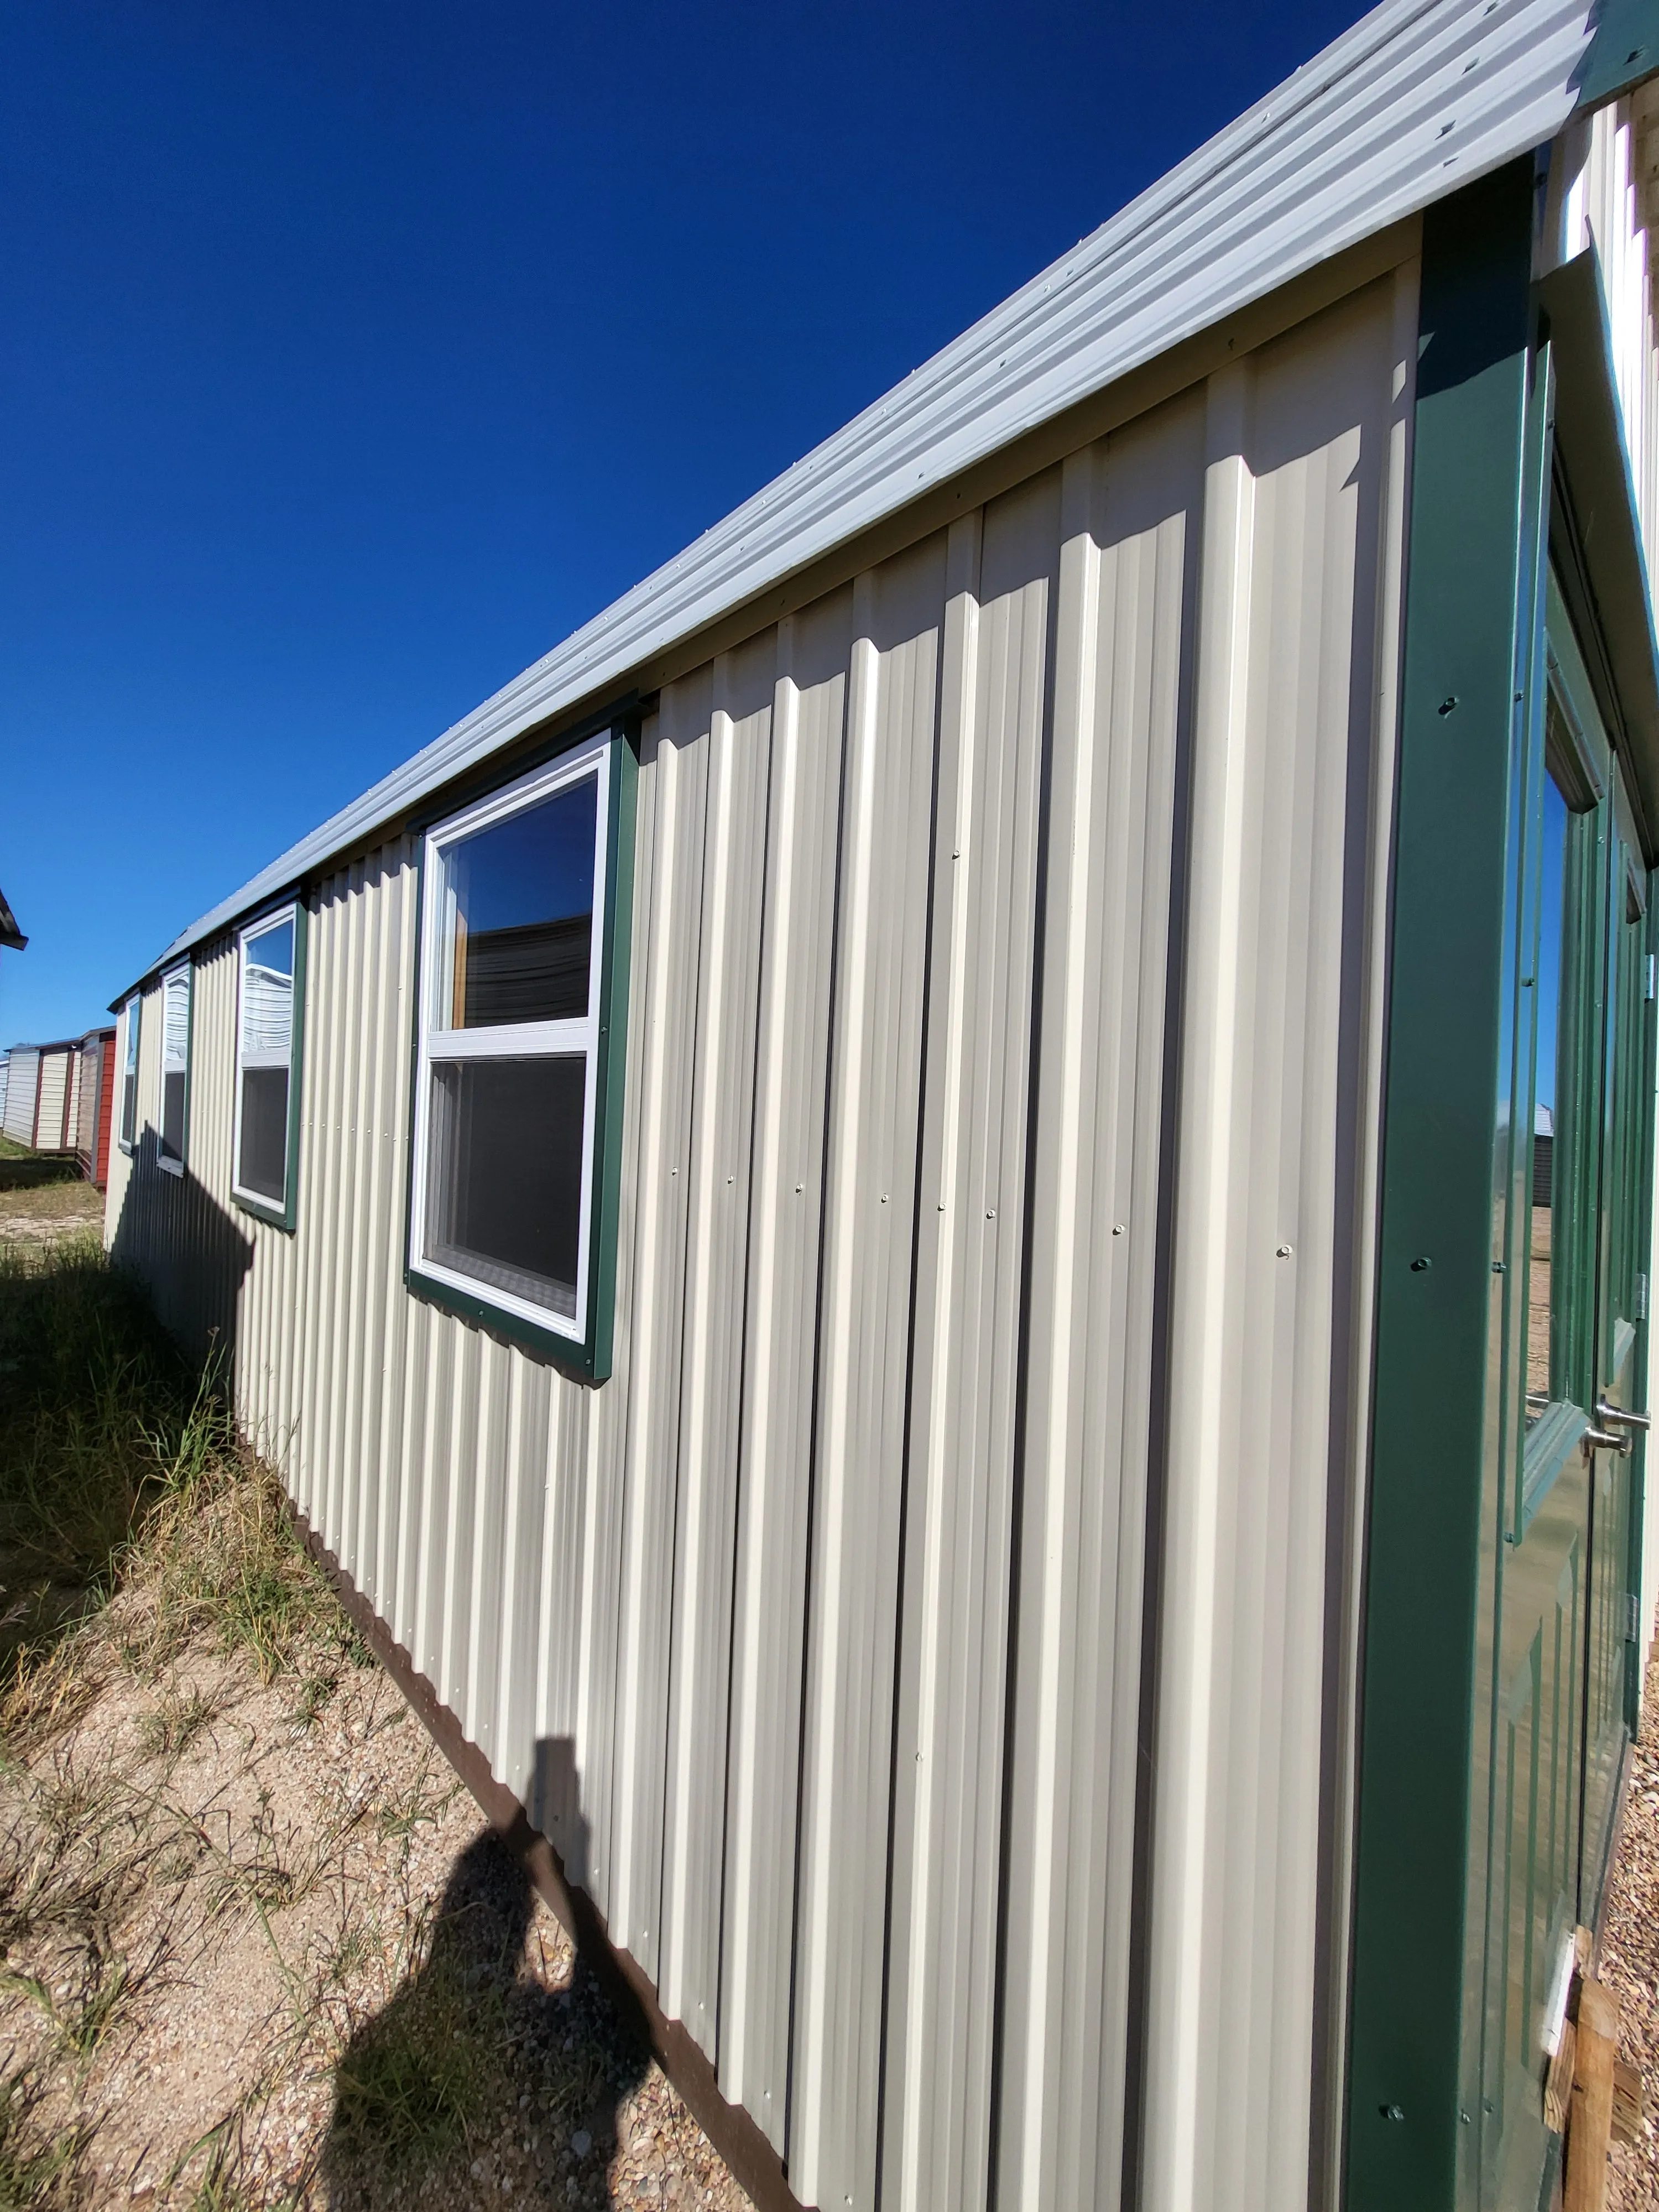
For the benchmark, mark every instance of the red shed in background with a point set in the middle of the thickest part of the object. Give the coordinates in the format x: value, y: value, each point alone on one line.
x: 94, y: 1103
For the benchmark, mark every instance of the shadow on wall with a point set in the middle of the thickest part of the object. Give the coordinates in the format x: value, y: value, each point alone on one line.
x: 498, y: 2066
x: 191, y: 1253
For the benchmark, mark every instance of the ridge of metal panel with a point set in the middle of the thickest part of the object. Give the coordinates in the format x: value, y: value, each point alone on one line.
x: 1415, y: 101
x: 1126, y: 587
x: 711, y: 1382
x: 948, y: 1769
x: 781, y: 1364
x: 676, y: 759
x: 1291, y: 640
x: 871, y: 1194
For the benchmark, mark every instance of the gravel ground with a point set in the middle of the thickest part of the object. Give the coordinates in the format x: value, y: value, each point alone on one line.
x: 1630, y: 1957
x: 259, y: 1949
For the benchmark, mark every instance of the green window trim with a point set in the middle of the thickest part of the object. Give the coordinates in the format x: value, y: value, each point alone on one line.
x: 585, y: 1351
x: 286, y: 1215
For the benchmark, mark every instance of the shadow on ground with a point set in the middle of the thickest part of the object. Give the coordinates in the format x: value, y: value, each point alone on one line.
x: 481, y: 2079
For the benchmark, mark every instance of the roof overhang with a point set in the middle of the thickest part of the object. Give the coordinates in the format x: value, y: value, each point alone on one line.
x: 11, y: 936
x: 1596, y: 536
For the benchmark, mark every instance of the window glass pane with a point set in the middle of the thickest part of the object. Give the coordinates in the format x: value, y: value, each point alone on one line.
x: 268, y: 992
x: 263, y: 1167
x: 504, y: 1181
x: 518, y: 916
x: 173, y: 1113
x: 1551, y: 1176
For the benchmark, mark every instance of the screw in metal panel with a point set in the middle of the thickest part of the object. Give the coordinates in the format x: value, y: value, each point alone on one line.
x: 1421, y: 1267
x: 990, y: 1213
x: 1283, y: 1251
x: 1117, y: 1229
x: 1392, y: 2112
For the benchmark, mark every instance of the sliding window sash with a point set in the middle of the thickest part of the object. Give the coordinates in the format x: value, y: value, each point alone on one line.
x: 269, y: 1055
x: 172, y: 1133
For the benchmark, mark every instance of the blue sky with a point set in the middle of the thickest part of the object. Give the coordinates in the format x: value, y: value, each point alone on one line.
x: 354, y: 353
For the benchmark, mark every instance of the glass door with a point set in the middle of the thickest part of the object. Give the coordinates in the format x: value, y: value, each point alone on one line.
x: 1569, y: 1237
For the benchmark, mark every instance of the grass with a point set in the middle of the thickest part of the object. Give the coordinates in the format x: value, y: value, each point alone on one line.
x: 120, y: 1469
x: 165, y: 1827
x: 134, y: 1528
x: 407, y: 2086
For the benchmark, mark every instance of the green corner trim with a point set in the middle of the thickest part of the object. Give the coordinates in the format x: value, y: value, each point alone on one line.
x: 1435, y: 1269
x: 1624, y: 51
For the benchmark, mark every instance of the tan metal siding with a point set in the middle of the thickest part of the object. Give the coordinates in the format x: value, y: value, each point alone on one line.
x: 1004, y: 936
x: 50, y: 1100
x: 22, y: 1089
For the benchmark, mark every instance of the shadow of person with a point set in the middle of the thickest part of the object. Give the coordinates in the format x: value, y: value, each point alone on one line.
x: 496, y: 2069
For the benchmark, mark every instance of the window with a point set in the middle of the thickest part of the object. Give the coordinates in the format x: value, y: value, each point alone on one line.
x: 270, y: 990
x: 175, y: 1068
x: 130, y: 1077
x: 520, y: 970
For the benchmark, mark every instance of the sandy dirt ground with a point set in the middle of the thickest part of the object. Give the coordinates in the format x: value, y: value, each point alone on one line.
x: 260, y: 1949
x: 54, y: 1210
x: 1630, y: 1958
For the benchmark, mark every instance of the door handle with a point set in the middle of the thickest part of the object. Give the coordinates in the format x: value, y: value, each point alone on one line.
x: 1618, y: 1440
x: 1620, y: 1417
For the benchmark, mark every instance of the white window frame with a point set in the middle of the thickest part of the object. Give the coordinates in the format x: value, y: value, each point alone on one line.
x: 260, y: 1201
x: 176, y: 979
x: 133, y: 1016
x: 443, y: 1046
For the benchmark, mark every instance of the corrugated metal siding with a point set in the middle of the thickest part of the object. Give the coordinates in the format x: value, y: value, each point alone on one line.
x: 815, y: 1638
x: 22, y: 1088
x: 52, y: 1098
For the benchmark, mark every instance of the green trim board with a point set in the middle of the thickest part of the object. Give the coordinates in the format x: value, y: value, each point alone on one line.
x: 589, y: 1356
x: 1453, y: 873
x: 1595, y: 536
x: 1624, y: 51
x: 285, y: 1217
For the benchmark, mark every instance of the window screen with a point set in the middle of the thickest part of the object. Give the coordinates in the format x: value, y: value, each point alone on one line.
x: 265, y: 1031
x: 509, y: 1036
x: 175, y: 1068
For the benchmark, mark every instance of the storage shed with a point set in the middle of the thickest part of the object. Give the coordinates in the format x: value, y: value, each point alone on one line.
x: 95, y: 1104
x: 884, y: 1220
x: 23, y: 1092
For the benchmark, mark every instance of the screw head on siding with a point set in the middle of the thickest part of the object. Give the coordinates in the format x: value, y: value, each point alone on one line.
x: 1283, y: 1251
x: 1421, y: 1267
x: 1117, y: 1229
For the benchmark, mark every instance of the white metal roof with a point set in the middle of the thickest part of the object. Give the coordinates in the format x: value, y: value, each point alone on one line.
x: 1416, y: 99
